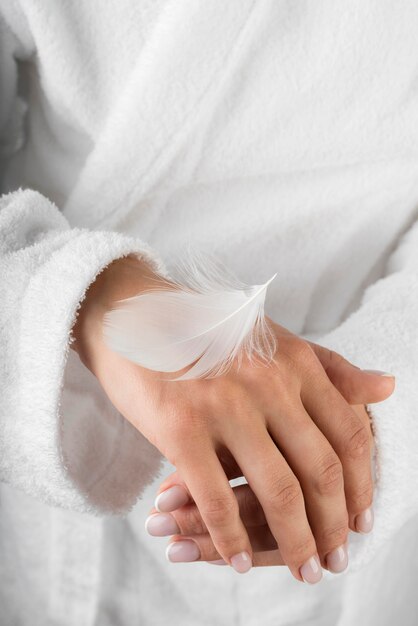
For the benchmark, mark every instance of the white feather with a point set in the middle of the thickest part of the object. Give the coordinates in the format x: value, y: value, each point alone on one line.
x: 208, y: 319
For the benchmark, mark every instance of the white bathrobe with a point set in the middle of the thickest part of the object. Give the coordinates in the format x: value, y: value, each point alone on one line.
x: 282, y: 136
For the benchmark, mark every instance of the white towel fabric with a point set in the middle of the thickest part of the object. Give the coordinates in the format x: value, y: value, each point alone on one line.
x: 281, y: 136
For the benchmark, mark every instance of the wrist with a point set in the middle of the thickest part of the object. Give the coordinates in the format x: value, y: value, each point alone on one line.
x: 123, y: 278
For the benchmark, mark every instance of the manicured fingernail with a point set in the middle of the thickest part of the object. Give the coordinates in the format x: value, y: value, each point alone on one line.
x: 364, y: 521
x: 311, y: 571
x: 161, y: 525
x: 182, y: 551
x: 241, y: 562
x: 217, y: 562
x: 337, y: 560
x: 171, y: 499
x: 379, y: 373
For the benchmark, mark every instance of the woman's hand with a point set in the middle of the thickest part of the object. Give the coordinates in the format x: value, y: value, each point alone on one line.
x: 303, y: 450
x: 178, y: 515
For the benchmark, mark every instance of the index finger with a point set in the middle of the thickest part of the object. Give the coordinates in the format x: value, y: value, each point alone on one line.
x: 210, y: 489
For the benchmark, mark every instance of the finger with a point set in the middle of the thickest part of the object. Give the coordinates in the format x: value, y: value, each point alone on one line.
x: 267, y: 558
x: 362, y: 412
x: 188, y: 520
x: 365, y: 523
x: 201, y: 548
x: 357, y: 386
x: 172, y: 479
x: 173, y: 492
x: 349, y: 437
x: 218, y: 506
x: 280, y: 496
x: 320, y: 474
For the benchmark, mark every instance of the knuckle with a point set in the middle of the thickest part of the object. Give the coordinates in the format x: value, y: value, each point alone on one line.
x: 358, y: 443
x: 285, y: 494
x: 335, y: 536
x: 301, y: 358
x: 329, y: 475
x: 362, y: 499
x: 209, y: 553
x: 301, y: 350
x: 190, y: 521
x: 333, y: 360
x: 302, y: 550
x: 218, y: 510
x: 230, y: 544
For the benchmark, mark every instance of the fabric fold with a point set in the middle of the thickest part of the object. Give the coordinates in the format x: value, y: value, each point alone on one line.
x: 383, y: 334
x: 61, y: 439
x: 166, y: 93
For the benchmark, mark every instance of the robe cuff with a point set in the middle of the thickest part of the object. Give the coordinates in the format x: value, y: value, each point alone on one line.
x: 81, y: 452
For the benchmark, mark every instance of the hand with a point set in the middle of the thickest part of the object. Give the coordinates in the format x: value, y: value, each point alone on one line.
x: 181, y: 518
x: 288, y: 428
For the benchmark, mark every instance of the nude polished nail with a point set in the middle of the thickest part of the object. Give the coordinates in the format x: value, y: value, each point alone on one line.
x: 171, y: 499
x: 161, y: 525
x: 241, y: 562
x: 379, y: 373
x: 364, y: 521
x: 182, y: 551
x: 337, y: 560
x: 311, y: 571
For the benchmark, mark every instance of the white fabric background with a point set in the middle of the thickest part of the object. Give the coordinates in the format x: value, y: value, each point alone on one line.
x: 281, y: 136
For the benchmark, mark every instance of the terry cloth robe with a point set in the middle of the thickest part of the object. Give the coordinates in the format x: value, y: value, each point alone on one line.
x: 281, y: 136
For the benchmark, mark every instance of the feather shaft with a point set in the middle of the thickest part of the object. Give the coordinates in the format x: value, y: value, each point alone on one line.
x: 209, y: 320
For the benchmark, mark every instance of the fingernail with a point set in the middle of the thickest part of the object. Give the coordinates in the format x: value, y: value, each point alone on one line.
x: 171, y: 499
x: 337, y: 560
x: 379, y: 373
x: 161, y: 525
x: 364, y: 521
x: 217, y: 562
x: 182, y: 552
x: 241, y: 562
x: 311, y: 571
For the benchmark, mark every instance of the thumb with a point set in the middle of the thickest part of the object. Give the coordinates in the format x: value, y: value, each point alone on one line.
x: 357, y: 386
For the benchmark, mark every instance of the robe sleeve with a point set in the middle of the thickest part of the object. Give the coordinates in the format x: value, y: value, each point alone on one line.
x: 61, y: 439
x: 383, y: 334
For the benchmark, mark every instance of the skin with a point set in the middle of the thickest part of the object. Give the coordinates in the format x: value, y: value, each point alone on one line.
x: 191, y: 525
x: 289, y: 427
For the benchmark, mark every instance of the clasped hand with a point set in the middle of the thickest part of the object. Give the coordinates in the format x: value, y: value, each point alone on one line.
x: 305, y: 452
x: 296, y: 430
